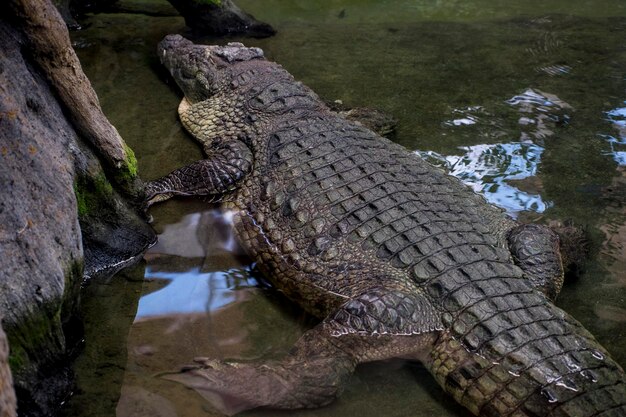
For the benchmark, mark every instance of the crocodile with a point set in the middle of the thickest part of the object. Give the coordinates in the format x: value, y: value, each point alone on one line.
x: 395, y: 257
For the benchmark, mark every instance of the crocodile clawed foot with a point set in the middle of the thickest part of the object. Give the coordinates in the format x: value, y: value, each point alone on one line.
x: 153, y: 195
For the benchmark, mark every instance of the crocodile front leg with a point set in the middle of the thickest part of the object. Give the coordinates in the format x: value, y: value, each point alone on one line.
x: 227, y: 163
x: 377, y: 325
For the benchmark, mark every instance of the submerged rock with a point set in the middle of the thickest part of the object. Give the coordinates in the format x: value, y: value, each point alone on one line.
x: 58, y: 206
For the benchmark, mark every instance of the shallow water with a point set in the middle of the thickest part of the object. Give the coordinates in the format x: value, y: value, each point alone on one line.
x: 526, y: 103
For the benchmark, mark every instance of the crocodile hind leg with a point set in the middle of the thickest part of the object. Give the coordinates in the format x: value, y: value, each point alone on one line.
x: 377, y: 325
x: 535, y: 250
x: 227, y: 163
x: 311, y: 375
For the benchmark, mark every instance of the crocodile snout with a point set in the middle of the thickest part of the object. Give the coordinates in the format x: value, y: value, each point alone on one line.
x: 171, y: 42
x: 170, y: 50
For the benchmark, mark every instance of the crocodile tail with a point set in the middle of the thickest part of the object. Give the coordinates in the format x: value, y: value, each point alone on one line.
x: 548, y: 366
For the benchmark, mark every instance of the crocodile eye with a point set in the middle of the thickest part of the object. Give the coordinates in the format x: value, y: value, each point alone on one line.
x: 187, y: 73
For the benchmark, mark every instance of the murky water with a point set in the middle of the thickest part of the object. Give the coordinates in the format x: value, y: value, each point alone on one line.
x: 526, y: 103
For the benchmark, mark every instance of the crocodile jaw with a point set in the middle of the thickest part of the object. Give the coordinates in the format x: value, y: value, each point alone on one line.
x: 183, y: 108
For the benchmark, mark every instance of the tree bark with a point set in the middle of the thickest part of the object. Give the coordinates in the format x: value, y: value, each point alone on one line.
x: 49, y: 40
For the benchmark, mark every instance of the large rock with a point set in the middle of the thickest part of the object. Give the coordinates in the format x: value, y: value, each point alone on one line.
x: 220, y: 18
x: 7, y: 395
x: 204, y: 17
x: 50, y: 177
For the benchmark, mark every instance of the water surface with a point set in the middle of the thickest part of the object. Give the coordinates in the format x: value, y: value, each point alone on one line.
x: 524, y: 102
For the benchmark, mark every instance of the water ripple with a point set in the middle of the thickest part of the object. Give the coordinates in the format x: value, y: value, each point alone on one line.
x: 546, y: 44
x: 464, y: 117
x: 555, y: 70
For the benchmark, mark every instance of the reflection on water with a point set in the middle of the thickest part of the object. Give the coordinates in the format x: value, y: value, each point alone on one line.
x: 540, y: 113
x: 191, y: 292
x: 511, y: 98
x: 618, y: 144
x: 197, y: 235
x: 489, y: 168
x: 183, y: 266
x: 501, y: 171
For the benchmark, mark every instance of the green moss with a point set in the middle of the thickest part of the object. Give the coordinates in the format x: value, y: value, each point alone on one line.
x: 102, y: 186
x: 131, y: 161
x: 17, y: 357
x: 81, y: 204
x: 37, y: 339
x: 209, y: 2
x: 92, y: 193
x: 126, y: 175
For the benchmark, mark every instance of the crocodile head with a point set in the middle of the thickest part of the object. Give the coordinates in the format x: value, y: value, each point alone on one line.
x: 202, y: 70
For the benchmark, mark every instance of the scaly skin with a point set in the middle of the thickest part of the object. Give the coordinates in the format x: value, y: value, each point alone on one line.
x: 397, y: 258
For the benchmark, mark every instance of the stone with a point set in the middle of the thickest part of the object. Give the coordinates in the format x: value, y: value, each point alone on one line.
x: 61, y: 216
